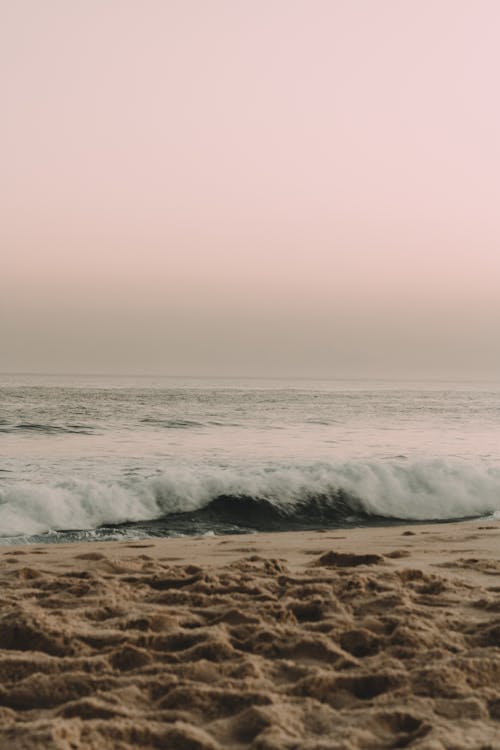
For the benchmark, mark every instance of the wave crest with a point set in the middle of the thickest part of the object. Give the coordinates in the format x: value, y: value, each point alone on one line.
x: 259, y: 497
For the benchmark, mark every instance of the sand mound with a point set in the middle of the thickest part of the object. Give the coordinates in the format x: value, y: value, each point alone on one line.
x: 349, y: 651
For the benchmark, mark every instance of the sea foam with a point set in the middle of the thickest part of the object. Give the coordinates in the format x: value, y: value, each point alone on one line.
x: 413, y: 491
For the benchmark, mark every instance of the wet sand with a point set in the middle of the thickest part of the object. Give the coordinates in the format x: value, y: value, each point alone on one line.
x: 363, y: 638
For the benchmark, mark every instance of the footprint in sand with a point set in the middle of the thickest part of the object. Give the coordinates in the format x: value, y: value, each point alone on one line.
x: 347, y: 559
x: 395, y: 554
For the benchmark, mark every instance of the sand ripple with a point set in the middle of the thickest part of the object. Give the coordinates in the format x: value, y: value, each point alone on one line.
x: 349, y: 652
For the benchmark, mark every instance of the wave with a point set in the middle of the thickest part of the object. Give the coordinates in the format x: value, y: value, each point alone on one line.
x: 269, y: 496
x: 172, y: 424
x: 47, y: 429
x: 185, y: 424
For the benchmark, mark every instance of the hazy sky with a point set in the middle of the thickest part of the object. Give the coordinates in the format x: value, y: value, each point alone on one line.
x: 250, y: 186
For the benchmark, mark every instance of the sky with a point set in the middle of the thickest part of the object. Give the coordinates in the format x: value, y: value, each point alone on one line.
x: 250, y: 187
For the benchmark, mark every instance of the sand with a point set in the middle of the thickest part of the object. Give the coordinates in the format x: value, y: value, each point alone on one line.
x: 366, y: 638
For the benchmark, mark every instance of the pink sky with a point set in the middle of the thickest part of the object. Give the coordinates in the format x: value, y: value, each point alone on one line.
x: 264, y: 187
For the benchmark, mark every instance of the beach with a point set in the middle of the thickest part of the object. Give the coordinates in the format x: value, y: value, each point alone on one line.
x: 377, y: 637
x: 249, y: 375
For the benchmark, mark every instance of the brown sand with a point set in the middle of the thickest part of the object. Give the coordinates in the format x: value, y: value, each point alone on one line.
x: 368, y: 638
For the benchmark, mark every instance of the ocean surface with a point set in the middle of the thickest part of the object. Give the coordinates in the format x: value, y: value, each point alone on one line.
x: 86, y: 458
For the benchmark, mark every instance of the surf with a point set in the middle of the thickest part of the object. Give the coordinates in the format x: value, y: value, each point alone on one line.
x: 259, y: 496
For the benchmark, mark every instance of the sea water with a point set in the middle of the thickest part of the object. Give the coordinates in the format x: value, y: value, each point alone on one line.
x: 132, y: 457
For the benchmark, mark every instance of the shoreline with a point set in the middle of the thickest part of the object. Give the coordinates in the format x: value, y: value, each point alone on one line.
x: 220, y: 549
x: 349, y: 638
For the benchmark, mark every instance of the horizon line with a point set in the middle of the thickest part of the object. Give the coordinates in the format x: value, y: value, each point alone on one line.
x: 184, y: 376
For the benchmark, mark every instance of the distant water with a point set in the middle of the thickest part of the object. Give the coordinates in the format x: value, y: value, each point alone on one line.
x: 108, y: 458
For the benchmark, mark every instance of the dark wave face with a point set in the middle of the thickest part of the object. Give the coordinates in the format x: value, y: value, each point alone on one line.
x: 226, y: 514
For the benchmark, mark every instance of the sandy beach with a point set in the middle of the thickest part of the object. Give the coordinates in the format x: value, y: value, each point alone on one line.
x: 361, y: 638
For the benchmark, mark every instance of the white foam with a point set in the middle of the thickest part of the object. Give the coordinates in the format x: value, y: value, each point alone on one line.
x: 425, y: 490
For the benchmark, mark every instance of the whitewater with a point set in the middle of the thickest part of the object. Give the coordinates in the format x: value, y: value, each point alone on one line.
x: 119, y: 457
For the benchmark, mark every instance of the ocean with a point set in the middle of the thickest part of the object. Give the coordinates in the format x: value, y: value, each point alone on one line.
x: 89, y: 458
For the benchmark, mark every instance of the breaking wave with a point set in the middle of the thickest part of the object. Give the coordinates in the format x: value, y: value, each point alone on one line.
x: 191, y: 499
